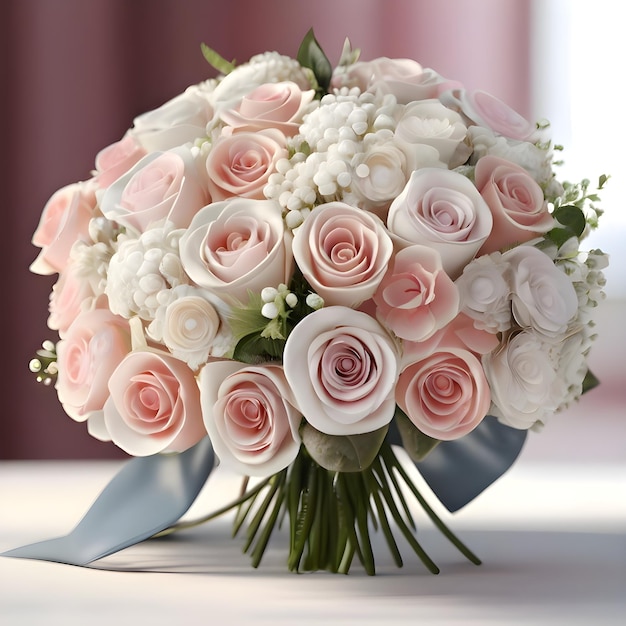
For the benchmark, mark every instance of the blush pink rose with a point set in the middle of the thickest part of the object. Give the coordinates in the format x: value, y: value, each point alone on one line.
x: 343, y: 253
x: 162, y: 185
x: 237, y: 245
x: 342, y: 365
x: 416, y: 297
x: 154, y: 405
x: 93, y: 346
x: 271, y: 105
x: 115, y: 160
x: 446, y: 394
x: 516, y: 200
x: 484, y: 109
x: 406, y: 79
x: 64, y: 220
x: 441, y: 209
x: 250, y: 416
x: 71, y: 294
x: 240, y: 164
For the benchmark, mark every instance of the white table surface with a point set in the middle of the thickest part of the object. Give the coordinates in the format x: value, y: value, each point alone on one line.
x: 552, y: 537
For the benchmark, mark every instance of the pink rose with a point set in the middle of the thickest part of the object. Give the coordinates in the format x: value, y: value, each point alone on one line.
x: 236, y: 245
x: 342, y: 366
x: 154, y: 405
x: 406, y: 79
x: 343, y: 253
x: 64, y: 220
x: 271, y: 105
x: 162, y: 185
x: 241, y: 164
x: 416, y: 297
x: 71, y: 294
x: 250, y: 416
x: 483, y: 109
x: 116, y: 159
x: 445, y: 394
x: 441, y: 209
x: 516, y: 200
x: 93, y: 346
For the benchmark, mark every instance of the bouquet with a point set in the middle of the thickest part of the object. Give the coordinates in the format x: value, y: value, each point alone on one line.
x: 296, y: 270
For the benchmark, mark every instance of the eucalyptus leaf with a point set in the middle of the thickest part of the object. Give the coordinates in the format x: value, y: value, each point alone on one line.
x: 348, y: 453
x: 217, y: 61
x: 572, y: 224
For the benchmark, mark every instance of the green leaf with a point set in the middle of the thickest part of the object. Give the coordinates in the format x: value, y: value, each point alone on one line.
x: 415, y: 442
x: 350, y: 453
x: 572, y: 221
x: 590, y: 381
x: 217, y: 61
x: 311, y: 55
x: 255, y: 349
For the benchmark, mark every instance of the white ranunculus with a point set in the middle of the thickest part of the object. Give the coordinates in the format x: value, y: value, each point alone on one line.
x: 485, y: 292
x: 526, y: 387
x: 431, y: 123
x: 444, y: 210
x: 543, y: 297
x: 342, y: 366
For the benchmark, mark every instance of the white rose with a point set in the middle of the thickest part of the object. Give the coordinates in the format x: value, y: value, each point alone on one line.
x: 543, y: 297
x: 525, y: 386
x: 444, y: 210
x: 429, y: 122
x: 183, y: 119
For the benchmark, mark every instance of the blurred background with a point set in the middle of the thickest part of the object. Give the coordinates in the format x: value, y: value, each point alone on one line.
x: 76, y: 72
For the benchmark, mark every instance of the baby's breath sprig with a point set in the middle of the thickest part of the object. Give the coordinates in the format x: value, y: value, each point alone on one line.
x: 44, y: 364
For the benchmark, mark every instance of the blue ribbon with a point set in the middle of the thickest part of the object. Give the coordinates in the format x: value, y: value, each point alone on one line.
x: 147, y: 495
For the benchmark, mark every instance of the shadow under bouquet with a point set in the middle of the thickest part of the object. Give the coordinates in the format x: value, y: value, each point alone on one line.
x: 296, y: 270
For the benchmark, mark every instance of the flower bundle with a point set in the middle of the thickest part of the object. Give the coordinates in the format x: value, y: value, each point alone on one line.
x: 312, y: 265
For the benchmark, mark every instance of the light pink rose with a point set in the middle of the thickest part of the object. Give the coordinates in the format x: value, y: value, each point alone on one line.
x: 441, y: 209
x: 162, y: 185
x: 154, y: 405
x: 93, y: 346
x: 64, y: 220
x: 271, y: 105
x: 250, y: 416
x: 484, y: 109
x: 343, y: 253
x: 237, y: 245
x: 516, y: 200
x: 460, y: 333
x: 543, y: 296
x: 416, y: 297
x: 406, y: 79
x: 342, y: 366
x: 445, y: 394
x: 241, y: 164
x: 115, y: 160
x: 71, y: 294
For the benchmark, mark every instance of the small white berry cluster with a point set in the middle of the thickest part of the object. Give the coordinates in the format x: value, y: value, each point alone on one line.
x: 276, y: 301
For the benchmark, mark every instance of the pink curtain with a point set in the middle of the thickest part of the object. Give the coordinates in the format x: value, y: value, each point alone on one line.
x: 75, y: 73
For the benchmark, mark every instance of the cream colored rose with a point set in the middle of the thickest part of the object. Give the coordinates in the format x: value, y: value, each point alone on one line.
x: 441, y: 209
